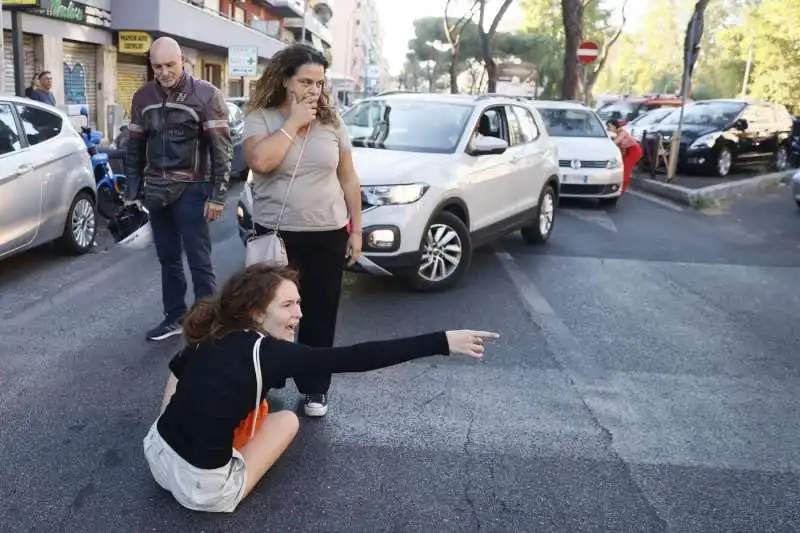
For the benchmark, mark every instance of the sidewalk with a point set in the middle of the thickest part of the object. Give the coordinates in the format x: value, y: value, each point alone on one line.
x: 699, y: 191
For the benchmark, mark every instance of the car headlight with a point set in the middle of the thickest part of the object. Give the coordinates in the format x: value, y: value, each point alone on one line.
x: 393, y: 194
x: 705, y: 141
x: 613, y: 163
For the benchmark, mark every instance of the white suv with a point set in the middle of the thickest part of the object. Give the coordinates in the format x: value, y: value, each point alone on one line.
x: 442, y: 175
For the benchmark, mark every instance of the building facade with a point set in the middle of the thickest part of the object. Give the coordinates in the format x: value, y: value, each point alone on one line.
x: 358, y: 45
x: 97, y: 50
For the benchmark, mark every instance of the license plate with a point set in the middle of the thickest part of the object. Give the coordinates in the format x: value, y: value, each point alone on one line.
x: 574, y: 178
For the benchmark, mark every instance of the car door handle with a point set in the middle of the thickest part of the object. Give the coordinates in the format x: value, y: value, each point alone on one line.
x: 23, y: 169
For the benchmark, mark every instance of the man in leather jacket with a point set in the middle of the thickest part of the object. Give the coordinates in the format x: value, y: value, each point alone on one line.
x: 178, y: 165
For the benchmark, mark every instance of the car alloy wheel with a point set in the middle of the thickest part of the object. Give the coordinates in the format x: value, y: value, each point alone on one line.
x: 724, y: 162
x: 441, y: 253
x: 84, y: 223
x: 781, y: 159
x: 547, y: 212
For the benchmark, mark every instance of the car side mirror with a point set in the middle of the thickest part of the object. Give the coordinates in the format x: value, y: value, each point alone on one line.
x: 488, y: 146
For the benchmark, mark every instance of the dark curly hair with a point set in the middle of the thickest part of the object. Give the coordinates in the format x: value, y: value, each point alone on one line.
x: 232, y: 308
x: 270, y: 92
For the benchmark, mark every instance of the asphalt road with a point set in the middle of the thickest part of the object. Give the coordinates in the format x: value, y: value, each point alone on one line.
x: 646, y: 380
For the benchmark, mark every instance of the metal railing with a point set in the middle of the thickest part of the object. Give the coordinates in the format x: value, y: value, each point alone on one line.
x: 229, y: 17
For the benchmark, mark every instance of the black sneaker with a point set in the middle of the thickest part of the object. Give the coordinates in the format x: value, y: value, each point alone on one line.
x: 316, y: 404
x: 165, y: 330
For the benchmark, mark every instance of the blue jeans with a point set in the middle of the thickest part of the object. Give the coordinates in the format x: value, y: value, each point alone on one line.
x: 179, y: 227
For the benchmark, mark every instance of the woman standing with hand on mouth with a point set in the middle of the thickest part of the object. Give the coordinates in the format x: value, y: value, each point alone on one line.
x: 289, y: 107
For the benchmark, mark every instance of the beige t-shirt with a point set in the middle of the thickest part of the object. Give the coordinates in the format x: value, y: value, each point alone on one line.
x: 316, y: 201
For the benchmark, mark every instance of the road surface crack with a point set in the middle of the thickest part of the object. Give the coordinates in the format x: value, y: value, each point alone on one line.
x: 468, y: 468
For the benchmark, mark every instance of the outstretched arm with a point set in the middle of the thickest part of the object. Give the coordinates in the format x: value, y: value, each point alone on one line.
x: 282, y: 359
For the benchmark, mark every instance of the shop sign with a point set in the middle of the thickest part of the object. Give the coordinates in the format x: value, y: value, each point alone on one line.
x: 134, y: 42
x: 12, y: 5
x: 75, y: 12
x: 242, y: 61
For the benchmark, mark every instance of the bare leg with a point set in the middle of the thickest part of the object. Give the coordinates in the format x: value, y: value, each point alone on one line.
x: 270, y: 441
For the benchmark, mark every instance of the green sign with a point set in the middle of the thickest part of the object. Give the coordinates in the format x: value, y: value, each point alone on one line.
x: 76, y: 13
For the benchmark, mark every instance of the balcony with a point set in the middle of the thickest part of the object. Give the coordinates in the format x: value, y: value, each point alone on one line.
x: 313, y: 26
x: 199, y: 27
x: 283, y: 8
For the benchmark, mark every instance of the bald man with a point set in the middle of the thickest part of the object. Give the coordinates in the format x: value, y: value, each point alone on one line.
x: 178, y: 165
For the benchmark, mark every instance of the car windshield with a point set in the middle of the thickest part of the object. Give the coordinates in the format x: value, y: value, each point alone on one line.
x: 407, y: 125
x: 571, y: 123
x: 653, y: 117
x: 717, y: 114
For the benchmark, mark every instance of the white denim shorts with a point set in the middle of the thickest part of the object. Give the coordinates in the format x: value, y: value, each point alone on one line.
x: 217, y: 490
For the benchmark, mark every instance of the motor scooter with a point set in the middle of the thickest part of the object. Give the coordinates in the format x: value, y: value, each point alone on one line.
x: 110, y: 185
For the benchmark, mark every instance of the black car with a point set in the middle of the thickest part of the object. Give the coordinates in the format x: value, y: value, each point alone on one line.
x: 718, y: 134
x: 239, y: 168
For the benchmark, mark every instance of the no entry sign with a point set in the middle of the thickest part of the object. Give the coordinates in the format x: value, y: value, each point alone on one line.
x: 588, y: 52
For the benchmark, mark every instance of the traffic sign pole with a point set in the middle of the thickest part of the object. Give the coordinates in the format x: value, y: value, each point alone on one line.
x: 588, y: 52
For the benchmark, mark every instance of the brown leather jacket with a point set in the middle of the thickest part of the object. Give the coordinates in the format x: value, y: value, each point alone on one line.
x: 180, y: 134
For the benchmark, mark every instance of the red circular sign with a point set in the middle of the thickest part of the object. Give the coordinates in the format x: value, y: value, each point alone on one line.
x: 588, y: 52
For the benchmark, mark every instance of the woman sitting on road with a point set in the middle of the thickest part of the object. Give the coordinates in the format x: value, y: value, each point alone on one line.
x: 239, y: 344
x: 630, y: 148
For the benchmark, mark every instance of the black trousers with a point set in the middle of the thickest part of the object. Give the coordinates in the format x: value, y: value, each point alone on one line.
x: 319, y: 257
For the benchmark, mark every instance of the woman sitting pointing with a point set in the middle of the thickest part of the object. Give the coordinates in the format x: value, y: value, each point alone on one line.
x: 240, y: 344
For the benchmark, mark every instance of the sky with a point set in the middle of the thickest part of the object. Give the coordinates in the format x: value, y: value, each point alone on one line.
x: 397, y: 21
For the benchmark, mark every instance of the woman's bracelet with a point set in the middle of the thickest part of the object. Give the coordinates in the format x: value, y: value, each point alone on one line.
x: 287, y: 134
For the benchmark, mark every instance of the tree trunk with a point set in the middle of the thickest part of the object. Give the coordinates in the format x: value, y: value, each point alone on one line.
x: 572, y: 15
x: 454, y: 68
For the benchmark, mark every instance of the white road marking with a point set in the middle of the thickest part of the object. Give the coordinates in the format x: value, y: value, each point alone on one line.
x: 565, y: 348
x: 658, y: 201
x: 599, y: 218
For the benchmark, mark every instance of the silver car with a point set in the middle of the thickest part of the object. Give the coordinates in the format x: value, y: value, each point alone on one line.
x: 796, y: 187
x: 47, y: 187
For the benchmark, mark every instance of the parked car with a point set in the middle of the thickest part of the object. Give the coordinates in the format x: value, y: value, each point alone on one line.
x: 47, y: 186
x: 239, y: 101
x: 638, y: 126
x: 719, y: 134
x: 236, y: 118
x: 629, y: 109
x: 442, y: 175
x: 590, y: 163
x: 796, y: 188
x: 794, y: 143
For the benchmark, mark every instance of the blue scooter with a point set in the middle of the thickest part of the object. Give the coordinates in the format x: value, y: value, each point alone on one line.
x: 109, y: 184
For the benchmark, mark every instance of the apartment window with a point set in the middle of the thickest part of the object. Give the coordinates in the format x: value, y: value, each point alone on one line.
x: 212, y: 5
x: 238, y: 14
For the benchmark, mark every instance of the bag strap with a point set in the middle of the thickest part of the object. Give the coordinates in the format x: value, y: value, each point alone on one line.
x: 294, y: 174
x: 288, y: 189
x: 259, y: 383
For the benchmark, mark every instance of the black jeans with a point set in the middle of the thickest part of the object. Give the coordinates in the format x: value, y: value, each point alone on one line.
x: 319, y: 258
x: 179, y: 227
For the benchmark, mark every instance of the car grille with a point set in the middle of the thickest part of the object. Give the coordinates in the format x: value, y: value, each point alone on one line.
x: 584, y: 190
x: 567, y: 163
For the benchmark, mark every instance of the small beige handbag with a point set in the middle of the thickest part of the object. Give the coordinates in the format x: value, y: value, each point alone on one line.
x: 270, y: 248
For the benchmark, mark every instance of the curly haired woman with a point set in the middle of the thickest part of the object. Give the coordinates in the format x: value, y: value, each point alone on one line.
x: 290, y: 102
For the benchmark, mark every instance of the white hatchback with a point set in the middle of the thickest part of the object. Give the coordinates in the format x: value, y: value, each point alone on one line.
x: 591, y: 164
x: 442, y: 175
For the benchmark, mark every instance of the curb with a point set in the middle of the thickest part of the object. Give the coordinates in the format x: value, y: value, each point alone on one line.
x: 699, y: 198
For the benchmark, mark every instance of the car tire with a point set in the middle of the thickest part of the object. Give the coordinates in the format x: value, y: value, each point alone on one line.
x: 781, y: 161
x: 445, y: 227
x: 724, y: 162
x: 609, y: 202
x: 80, y: 228
x: 540, y: 230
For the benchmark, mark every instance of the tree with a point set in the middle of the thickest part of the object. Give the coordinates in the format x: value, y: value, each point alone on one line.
x: 486, y: 37
x: 595, y: 71
x: 545, y: 18
x: 572, y: 15
x: 453, y: 32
